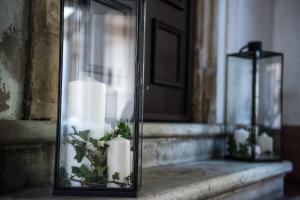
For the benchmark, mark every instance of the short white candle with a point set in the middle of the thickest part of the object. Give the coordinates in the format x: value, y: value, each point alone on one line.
x: 118, y: 160
x: 241, y: 136
x: 257, y: 150
x: 265, y: 142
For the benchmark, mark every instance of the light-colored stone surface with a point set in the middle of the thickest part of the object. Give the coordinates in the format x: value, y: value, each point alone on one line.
x: 271, y: 189
x: 28, y: 131
x: 165, y: 151
x: 153, y: 130
x: 198, y: 180
x: 163, y: 144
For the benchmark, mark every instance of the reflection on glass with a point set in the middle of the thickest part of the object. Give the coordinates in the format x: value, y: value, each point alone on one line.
x: 239, y: 91
x: 98, y: 90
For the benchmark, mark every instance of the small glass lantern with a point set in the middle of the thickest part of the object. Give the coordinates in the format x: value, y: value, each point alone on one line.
x: 100, y: 108
x: 253, y: 105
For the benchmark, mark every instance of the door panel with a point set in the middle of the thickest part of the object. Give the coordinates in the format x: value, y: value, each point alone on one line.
x: 168, y: 66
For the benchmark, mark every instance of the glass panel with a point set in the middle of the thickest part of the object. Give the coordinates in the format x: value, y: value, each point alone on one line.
x: 268, y: 106
x: 98, y: 94
x: 238, y: 107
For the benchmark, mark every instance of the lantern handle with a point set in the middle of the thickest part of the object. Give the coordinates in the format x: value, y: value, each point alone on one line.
x: 243, y: 48
x: 252, y: 46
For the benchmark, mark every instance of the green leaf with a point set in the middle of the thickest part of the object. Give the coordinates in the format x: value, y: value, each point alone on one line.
x: 106, y: 137
x: 76, y: 171
x: 116, y: 176
x: 80, y: 152
x: 94, y: 142
x: 101, y: 171
x: 99, y: 159
x: 83, y: 172
x: 84, y: 134
x: 123, y: 130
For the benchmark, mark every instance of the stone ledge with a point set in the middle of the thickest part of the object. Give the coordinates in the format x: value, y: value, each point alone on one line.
x: 27, y: 132
x: 159, y: 130
x: 197, y: 180
x: 33, y: 131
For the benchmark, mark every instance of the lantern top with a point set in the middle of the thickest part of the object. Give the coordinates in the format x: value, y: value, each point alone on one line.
x: 254, y: 50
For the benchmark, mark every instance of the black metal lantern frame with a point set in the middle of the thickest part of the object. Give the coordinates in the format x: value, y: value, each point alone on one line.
x: 253, y: 104
x: 99, y: 123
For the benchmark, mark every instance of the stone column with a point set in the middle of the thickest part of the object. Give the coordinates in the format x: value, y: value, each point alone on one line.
x: 204, y: 85
x: 41, y: 86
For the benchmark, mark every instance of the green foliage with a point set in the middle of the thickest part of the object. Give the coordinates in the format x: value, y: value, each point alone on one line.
x: 94, y: 150
x: 116, y: 176
x: 106, y: 137
x: 239, y: 150
x: 84, y: 135
x: 80, y: 149
x: 101, y: 171
x: 94, y: 142
x: 244, y: 151
x: 123, y: 130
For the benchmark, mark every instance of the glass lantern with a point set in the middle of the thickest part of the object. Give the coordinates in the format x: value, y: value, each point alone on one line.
x: 100, y: 98
x: 253, y: 105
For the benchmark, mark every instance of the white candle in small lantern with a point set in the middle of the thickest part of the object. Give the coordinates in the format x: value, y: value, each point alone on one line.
x: 241, y: 136
x: 265, y: 142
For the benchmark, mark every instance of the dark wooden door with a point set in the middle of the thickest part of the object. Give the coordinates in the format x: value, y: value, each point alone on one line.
x: 168, y: 60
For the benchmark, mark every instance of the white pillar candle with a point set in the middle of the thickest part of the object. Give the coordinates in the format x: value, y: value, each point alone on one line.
x: 265, y: 142
x: 241, y: 136
x: 118, y: 160
x: 86, y: 111
x: 257, y: 150
x: 86, y: 106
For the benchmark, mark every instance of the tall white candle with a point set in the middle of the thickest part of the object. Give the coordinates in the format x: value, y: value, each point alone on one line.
x: 118, y: 160
x: 86, y: 106
x: 86, y: 111
x: 265, y: 142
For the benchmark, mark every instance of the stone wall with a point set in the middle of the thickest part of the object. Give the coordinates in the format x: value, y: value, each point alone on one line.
x: 29, y: 57
x: 13, y: 56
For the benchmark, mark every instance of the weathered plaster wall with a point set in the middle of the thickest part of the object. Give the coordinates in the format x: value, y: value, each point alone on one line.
x: 13, y: 53
x: 29, y: 59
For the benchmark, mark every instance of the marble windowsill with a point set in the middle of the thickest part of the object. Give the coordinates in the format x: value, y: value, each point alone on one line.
x: 196, y: 180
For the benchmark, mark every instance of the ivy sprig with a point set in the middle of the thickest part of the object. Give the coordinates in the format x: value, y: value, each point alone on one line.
x: 95, y: 150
